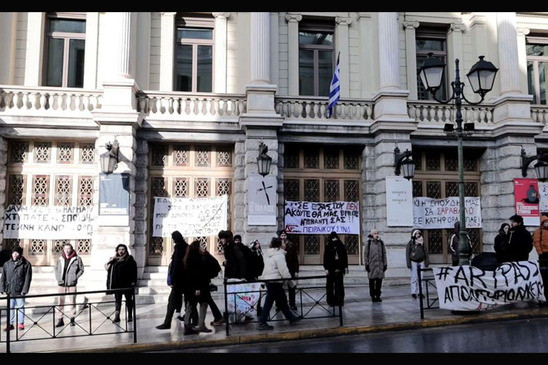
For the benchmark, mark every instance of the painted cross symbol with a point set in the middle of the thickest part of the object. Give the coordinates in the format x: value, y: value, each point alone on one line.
x: 265, y: 192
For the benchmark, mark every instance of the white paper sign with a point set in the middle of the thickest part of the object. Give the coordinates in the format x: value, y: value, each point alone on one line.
x: 322, y: 217
x: 261, y: 200
x: 399, y: 202
x: 431, y: 213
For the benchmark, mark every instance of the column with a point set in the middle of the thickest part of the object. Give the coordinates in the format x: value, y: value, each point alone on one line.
x: 411, y: 57
x: 260, y: 46
x: 219, y: 84
x: 293, y: 52
x: 388, y: 55
x: 167, y: 50
x: 508, y: 56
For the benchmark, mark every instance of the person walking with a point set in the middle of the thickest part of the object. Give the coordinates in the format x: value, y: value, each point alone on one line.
x: 292, y: 259
x: 540, y: 241
x: 275, y: 267
x: 179, y: 283
x: 15, y: 281
x: 520, y: 242
x: 374, y: 258
x: 335, y: 263
x: 417, y: 257
x: 122, y: 274
x: 501, y: 242
x: 68, y: 269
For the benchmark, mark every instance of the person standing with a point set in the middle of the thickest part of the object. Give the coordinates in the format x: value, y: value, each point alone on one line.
x: 178, y: 283
x: 275, y: 267
x: 520, y: 242
x: 335, y: 263
x: 68, y: 269
x: 122, y: 273
x: 417, y: 257
x: 15, y: 281
x: 454, y: 243
x: 501, y: 242
x: 374, y: 258
x: 540, y: 241
x: 292, y: 259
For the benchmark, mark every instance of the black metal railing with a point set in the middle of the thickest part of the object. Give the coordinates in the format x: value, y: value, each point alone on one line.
x: 310, y: 301
x: 94, y: 316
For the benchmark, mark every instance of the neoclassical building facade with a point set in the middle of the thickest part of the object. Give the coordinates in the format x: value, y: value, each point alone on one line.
x: 190, y: 97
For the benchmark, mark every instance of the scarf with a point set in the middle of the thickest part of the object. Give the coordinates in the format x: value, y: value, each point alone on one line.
x: 419, y: 241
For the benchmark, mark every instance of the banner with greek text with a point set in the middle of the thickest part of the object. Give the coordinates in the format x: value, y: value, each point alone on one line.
x: 322, y: 218
x: 431, y: 213
x: 49, y: 222
x: 468, y: 288
x: 193, y: 217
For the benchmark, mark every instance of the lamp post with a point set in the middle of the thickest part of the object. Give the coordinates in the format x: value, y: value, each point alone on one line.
x: 481, y: 78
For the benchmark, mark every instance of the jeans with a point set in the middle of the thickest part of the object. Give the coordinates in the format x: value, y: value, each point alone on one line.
x: 415, y: 276
x: 275, y: 292
x: 17, y: 303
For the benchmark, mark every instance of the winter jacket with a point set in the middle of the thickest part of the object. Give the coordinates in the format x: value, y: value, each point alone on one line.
x: 122, y: 272
x: 421, y: 253
x: 501, y: 244
x: 333, y: 250
x: 374, y: 258
x: 16, y: 277
x: 540, y: 237
x: 177, y: 273
x: 239, y: 262
x: 520, y: 244
x: 75, y: 269
x: 292, y: 257
x: 275, y: 265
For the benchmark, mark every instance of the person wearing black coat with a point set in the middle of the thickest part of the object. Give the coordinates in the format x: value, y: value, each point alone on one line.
x: 178, y: 281
x: 501, y: 242
x: 15, y: 281
x: 335, y: 263
x: 520, y: 242
x: 122, y: 274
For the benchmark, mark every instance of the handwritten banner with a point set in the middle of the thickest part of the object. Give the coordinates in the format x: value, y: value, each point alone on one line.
x: 193, y: 217
x: 431, y: 213
x: 242, y: 300
x: 468, y: 288
x: 49, y: 222
x: 322, y: 218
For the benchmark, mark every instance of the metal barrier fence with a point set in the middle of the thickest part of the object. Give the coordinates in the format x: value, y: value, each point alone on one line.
x: 430, y: 293
x: 310, y: 301
x: 94, y: 316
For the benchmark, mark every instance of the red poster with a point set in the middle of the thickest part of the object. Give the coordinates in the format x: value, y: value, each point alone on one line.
x: 527, y: 199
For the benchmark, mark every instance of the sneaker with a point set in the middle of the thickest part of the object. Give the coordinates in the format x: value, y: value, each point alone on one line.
x: 295, y: 320
x: 21, y: 326
x: 204, y: 329
x: 9, y: 328
x: 189, y: 330
x: 219, y: 322
x: 265, y: 327
x: 163, y: 327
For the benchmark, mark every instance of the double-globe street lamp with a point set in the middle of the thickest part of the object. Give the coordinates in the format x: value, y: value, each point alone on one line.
x: 481, y: 78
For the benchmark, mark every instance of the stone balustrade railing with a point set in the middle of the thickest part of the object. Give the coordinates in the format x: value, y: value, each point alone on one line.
x: 306, y: 108
x: 19, y: 100
x: 190, y: 105
x: 16, y: 99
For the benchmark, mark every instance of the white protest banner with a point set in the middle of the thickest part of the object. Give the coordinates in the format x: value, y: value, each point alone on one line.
x: 49, y: 222
x: 431, y: 213
x: 468, y: 288
x: 322, y: 218
x: 543, y: 193
x: 193, y: 217
x: 242, y: 299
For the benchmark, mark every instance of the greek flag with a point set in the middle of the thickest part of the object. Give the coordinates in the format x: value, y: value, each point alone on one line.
x: 334, y: 89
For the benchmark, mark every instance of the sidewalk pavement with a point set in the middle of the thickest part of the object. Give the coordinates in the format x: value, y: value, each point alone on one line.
x: 397, y: 311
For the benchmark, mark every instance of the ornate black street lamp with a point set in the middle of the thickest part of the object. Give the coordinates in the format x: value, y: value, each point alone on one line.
x: 481, y: 78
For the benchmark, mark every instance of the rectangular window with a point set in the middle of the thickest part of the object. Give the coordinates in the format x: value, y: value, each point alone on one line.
x: 537, y: 64
x: 65, y: 49
x: 433, y: 41
x: 316, y: 57
x: 194, y: 54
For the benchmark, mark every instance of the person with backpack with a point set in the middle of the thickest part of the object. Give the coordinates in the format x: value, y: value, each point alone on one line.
x: 374, y: 259
x: 292, y: 258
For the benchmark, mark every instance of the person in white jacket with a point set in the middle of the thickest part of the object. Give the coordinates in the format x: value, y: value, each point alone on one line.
x: 275, y: 267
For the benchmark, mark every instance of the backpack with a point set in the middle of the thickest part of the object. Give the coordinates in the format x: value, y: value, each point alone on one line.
x: 212, y: 265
